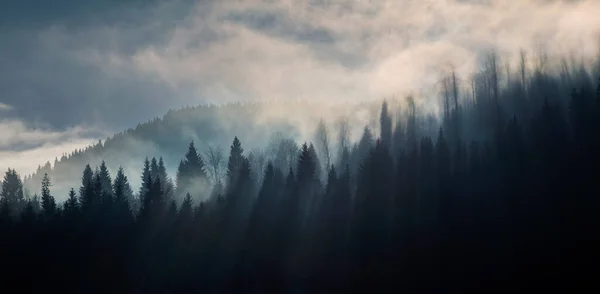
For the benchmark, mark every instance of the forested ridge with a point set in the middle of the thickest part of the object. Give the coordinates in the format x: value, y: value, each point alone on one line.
x: 503, y: 192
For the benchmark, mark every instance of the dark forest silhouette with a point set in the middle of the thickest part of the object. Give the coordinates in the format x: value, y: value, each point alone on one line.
x: 515, y: 201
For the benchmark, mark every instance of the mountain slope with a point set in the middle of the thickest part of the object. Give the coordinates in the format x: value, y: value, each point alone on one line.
x: 206, y: 125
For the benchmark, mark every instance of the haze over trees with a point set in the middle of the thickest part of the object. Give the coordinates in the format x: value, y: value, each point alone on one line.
x: 502, y: 187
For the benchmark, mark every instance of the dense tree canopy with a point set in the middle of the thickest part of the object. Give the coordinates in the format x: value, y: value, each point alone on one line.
x: 421, y: 207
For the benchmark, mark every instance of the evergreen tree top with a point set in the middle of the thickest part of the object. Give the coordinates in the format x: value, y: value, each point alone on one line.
x: 236, y: 146
x: 12, y: 187
x: 306, y: 164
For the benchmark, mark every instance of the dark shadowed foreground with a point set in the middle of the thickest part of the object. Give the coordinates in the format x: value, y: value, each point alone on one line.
x: 516, y: 207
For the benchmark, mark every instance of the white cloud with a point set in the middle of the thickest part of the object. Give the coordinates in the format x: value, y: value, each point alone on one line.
x: 24, y: 147
x: 17, y: 133
x: 402, y: 45
x: 5, y: 107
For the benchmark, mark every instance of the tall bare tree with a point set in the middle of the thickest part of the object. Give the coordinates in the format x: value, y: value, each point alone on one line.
x: 282, y: 151
x: 542, y: 58
x: 323, y: 145
x: 523, y: 68
x: 454, y: 80
x: 215, y: 159
x: 343, y: 141
x: 258, y: 161
x: 493, y: 78
x: 474, y: 88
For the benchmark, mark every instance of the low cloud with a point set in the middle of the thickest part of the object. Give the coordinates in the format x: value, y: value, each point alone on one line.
x: 356, y: 50
x: 24, y: 147
x: 5, y: 107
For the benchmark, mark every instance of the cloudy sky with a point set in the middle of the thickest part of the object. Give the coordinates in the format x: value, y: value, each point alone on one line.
x: 72, y: 71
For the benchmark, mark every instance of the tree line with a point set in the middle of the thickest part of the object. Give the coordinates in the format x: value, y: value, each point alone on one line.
x: 399, y: 209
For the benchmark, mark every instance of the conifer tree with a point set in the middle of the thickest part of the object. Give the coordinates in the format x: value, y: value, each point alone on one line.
x: 12, y: 187
x: 48, y: 202
x: 306, y: 166
x: 86, y: 191
x: 71, y: 206
x: 106, y: 190
x: 308, y: 184
x: 168, y: 187
x: 11, y: 192
x: 146, y: 179
x: 153, y: 203
x: 123, y: 195
x: 317, y: 162
x: 234, y: 162
x: 385, y: 124
x: 121, y: 188
x: 105, y: 180
x: 191, y: 176
x: 154, y: 168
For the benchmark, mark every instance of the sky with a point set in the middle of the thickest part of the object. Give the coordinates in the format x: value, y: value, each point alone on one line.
x: 74, y: 71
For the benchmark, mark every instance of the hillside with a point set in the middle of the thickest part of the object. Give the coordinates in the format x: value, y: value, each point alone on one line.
x: 473, y: 111
x: 207, y: 125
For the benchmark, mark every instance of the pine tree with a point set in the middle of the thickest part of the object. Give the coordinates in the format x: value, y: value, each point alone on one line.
x: 154, y: 168
x: 385, y: 123
x: 106, y: 191
x: 71, y: 207
x: 153, y: 203
x: 12, y: 187
x: 362, y: 149
x: 308, y: 183
x: 191, y: 176
x: 48, y: 202
x: 195, y: 162
x: 86, y: 191
x: 235, y: 162
x: 146, y: 180
x: 121, y: 188
x: 162, y: 170
x: 123, y: 195
x: 165, y: 180
x: 317, y: 162
x: 105, y: 180
x: 306, y: 166
x: 98, y: 189
x: 12, y: 192
x: 181, y: 177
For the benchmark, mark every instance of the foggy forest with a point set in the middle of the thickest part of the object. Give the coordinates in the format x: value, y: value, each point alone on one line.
x: 502, y: 186
x: 484, y: 177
